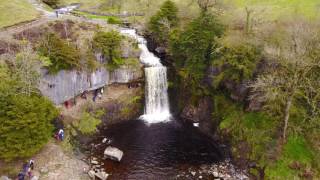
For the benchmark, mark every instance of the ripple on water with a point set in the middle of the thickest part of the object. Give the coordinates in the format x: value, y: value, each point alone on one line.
x: 157, y: 151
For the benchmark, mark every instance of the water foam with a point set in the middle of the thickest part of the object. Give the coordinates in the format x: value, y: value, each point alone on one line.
x: 156, y: 96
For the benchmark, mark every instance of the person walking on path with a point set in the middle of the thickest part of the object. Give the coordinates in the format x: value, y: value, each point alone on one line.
x: 31, y: 164
x: 61, y: 134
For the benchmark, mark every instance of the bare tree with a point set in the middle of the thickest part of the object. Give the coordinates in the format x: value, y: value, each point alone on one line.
x: 25, y: 68
x: 205, y: 5
x: 291, y: 57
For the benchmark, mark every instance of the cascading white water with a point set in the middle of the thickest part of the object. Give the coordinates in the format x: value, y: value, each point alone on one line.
x: 156, y: 95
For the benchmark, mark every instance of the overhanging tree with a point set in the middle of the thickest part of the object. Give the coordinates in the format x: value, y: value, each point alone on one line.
x: 193, y: 49
x: 294, y: 59
x: 161, y: 24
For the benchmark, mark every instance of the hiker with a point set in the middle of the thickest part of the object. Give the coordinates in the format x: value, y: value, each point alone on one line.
x: 61, y: 134
x: 100, y: 96
x: 84, y: 95
x: 29, y: 173
x: 66, y: 104
x: 31, y: 164
x: 20, y: 176
x: 57, y: 13
x: 25, y: 168
x: 56, y: 136
x: 96, y: 92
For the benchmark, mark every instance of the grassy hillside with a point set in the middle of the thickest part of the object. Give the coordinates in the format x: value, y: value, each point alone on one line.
x: 280, y: 8
x: 16, y: 11
x: 234, y: 9
x: 277, y: 7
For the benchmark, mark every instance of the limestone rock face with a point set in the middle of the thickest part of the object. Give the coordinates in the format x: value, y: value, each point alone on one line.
x: 68, y: 84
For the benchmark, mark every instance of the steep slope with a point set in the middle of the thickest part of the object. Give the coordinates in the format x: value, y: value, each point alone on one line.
x: 16, y: 11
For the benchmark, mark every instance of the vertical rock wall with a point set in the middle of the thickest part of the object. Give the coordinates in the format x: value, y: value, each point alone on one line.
x: 68, y: 84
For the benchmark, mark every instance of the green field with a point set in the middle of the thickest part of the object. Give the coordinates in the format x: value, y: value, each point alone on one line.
x: 274, y: 9
x: 16, y: 11
x: 280, y: 8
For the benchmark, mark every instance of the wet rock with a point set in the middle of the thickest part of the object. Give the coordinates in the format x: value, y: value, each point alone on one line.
x: 198, y: 113
x: 94, y: 162
x: 91, y: 174
x: 102, y: 175
x: 193, y: 173
x: 160, y: 50
x: 113, y: 153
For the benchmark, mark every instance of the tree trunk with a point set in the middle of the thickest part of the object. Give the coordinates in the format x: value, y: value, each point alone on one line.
x: 287, y: 116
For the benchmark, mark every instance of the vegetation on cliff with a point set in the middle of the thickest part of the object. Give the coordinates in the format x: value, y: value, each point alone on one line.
x: 109, y: 44
x: 263, y: 82
x: 61, y: 54
x: 52, y: 3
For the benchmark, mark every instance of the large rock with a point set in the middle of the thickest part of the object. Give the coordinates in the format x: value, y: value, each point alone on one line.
x: 113, y: 153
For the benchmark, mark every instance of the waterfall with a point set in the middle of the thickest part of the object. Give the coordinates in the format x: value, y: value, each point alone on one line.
x: 156, y: 95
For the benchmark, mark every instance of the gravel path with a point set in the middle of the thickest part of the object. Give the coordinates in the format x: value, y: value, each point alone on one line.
x: 52, y: 163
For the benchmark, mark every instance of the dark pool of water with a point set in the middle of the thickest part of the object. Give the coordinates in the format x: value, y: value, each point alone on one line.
x: 157, y: 151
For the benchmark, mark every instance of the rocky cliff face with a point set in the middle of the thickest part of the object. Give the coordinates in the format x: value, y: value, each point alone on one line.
x: 68, y: 84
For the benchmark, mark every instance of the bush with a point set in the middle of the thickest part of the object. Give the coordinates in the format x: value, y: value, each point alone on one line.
x: 114, y: 20
x: 241, y: 62
x: 88, y: 122
x: 193, y: 48
x: 25, y: 125
x: 52, y: 3
x: 163, y: 21
x: 109, y: 43
x: 62, y: 55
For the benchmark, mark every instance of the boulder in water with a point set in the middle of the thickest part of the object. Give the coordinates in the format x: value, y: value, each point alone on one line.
x: 113, y: 153
x: 102, y: 175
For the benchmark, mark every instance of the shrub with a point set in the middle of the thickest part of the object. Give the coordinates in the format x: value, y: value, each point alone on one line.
x: 88, y: 122
x: 109, y: 43
x: 163, y: 21
x: 25, y: 125
x: 241, y: 62
x: 114, y: 20
x: 52, y: 3
x: 62, y: 55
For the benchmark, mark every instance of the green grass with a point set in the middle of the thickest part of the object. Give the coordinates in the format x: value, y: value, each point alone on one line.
x: 275, y: 9
x: 264, y: 9
x: 16, y: 11
x: 296, y: 150
x: 109, y: 19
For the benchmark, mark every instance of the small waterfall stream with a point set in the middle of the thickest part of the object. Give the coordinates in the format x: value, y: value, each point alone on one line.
x: 156, y: 95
